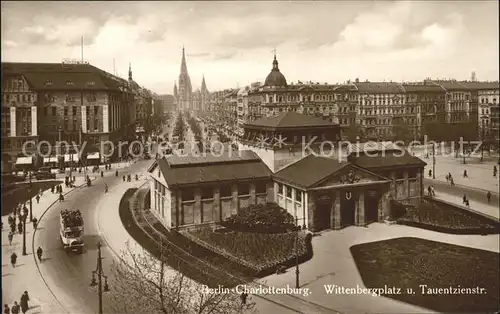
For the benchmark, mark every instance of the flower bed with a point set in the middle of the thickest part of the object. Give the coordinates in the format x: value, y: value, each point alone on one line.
x: 255, y: 250
x: 446, y: 218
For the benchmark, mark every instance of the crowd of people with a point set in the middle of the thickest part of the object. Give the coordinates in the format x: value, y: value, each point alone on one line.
x: 22, y: 306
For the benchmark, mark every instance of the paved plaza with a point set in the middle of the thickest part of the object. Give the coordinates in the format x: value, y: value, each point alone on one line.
x: 333, y: 263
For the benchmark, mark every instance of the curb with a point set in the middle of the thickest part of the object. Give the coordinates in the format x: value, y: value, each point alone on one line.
x: 465, y: 186
x: 33, y: 247
x: 467, y: 209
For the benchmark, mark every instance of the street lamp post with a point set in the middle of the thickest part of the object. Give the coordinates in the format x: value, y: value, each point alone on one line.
x: 297, y: 285
x: 433, y: 161
x: 100, y: 274
x: 482, y: 141
x: 23, y: 218
x: 31, y: 198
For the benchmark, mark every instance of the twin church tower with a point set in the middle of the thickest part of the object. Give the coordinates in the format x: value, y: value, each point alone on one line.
x: 184, y: 97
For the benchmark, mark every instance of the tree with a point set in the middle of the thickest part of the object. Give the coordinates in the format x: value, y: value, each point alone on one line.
x: 401, y: 131
x: 266, y: 218
x: 355, y: 132
x: 143, y: 284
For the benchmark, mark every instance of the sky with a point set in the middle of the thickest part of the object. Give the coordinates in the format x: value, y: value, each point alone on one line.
x: 231, y: 43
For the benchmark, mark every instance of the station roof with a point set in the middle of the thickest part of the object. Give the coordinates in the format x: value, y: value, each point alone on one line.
x: 290, y: 119
x: 179, y: 171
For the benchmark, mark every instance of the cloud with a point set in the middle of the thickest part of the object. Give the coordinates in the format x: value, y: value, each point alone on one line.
x: 224, y: 55
x: 198, y: 55
x: 68, y: 32
x: 10, y: 43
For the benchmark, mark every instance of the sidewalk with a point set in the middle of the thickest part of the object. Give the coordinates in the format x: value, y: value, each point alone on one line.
x: 480, y: 176
x: 25, y: 275
x: 486, y: 209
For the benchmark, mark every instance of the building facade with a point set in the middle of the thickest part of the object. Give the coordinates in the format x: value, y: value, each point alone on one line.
x: 192, y: 191
x: 67, y: 102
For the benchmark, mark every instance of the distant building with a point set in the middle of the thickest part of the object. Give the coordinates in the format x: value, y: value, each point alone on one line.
x: 168, y: 102
x: 185, y: 98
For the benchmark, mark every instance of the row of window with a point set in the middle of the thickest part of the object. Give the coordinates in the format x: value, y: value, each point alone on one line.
x: 69, y: 83
x: 74, y: 111
x: 288, y: 191
x: 485, y: 100
x: 18, y: 97
x: 225, y: 190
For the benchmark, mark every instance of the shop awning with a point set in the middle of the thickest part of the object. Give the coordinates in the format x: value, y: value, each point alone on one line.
x: 50, y: 159
x: 24, y: 160
x: 93, y: 155
x: 71, y: 157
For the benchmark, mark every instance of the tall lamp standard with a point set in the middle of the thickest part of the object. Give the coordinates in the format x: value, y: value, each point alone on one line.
x: 23, y: 219
x: 31, y: 199
x: 482, y: 141
x: 433, y: 161
x: 100, y: 274
x: 297, y: 285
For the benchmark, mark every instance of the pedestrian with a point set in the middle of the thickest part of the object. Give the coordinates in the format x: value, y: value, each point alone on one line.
x: 24, y: 302
x: 74, y: 179
x: 452, y: 182
x: 61, y: 197
x: 52, y: 189
x: 13, y: 259
x: 13, y: 227
x: 102, y: 173
x: 465, y: 174
x: 495, y: 170
x: 429, y: 191
x: 20, y: 227
x: 464, y: 199
x: 15, y: 308
x: 116, y: 173
x: 430, y: 173
x: 38, y: 198
x: 11, y: 236
x: 39, y: 253
x: 6, y: 309
x: 123, y: 178
x: 35, y: 223
x: 488, y: 196
x: 244, y: 297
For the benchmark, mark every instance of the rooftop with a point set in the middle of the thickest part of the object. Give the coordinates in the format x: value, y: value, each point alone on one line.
x: 451, y: 85
x: 196, y: 170
x: 60, y: 76
x: 309, y: 170
x: 175, y: 161
x: 387, y: 159
x: 422, y: 87
x: 481, y: 85
x: 379, y: 87
x: 290, y: 119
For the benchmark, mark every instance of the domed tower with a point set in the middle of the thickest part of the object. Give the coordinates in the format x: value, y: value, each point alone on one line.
x: 275, y: 78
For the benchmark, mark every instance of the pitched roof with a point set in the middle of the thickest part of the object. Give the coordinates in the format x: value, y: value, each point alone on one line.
x: 372, y: 147
x: 290, y: 119
x: 423, y: 87
x: 379, y: 87
x: 481, y: 85
x: 451, y: 85
x: 309, y: 170
x: 387, y: 159
x: 60, y: 76
x: 207, y: 170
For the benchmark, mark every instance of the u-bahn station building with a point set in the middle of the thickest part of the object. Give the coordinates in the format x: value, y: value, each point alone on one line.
x: 321, y: 185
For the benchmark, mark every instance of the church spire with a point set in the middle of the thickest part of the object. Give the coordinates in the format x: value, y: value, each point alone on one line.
x: 203, y: 85
x: 130, y: 71
x: 183, y: 62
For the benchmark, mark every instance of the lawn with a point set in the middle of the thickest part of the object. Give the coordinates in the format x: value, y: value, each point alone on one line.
x: 20, y: 193
x: 410, y: 262
x: 256, y: 250
x: 446, y: 218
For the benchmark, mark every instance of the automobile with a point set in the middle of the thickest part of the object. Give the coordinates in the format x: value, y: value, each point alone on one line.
x: 43, y: 174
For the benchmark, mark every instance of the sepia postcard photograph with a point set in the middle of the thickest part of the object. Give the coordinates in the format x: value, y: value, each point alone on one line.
x: 241, y: 157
